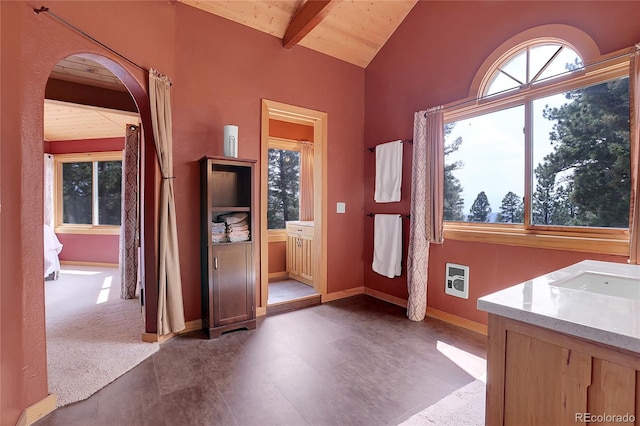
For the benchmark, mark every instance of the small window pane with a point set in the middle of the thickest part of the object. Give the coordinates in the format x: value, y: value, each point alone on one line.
x: 109, y: 190
x: 566, y: 61
x: 284, y: 187
x: 516, y: 67
x: 539, y: 56
x: 582, y: 157
x: 484, y: 159
x: 501, y: 83
x: 77, y: 190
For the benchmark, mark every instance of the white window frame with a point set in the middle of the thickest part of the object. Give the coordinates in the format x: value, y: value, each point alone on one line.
x: 64, y: 228
x: 613, y: 241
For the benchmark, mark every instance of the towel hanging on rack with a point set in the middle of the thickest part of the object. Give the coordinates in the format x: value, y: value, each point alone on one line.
x: 387, y: 245
x: 388, y: 172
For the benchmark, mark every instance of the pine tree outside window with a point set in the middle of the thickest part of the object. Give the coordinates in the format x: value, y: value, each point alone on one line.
x: 283, y: 203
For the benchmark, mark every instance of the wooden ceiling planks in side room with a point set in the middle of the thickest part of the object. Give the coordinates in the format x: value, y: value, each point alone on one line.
x: 353, y: 31
x: 67, y: 121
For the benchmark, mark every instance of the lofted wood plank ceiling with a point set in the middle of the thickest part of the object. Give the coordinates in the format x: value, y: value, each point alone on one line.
x: 349, y: 30
x: 353, y: 31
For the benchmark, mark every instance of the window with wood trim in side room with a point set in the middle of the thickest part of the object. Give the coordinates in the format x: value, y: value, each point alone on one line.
x: 88, y: 194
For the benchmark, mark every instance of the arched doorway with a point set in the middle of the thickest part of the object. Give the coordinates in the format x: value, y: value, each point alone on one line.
x: 91, y: 95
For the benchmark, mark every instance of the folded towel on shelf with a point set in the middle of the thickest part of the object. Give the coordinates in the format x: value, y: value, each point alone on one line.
x: 234, y: 239
x: 220, y: 238
x: 388, y: 172
x: 387, y: 245
x: 234, y: 217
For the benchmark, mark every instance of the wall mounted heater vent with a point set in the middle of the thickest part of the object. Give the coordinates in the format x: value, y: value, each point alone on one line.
x: 457, y: 280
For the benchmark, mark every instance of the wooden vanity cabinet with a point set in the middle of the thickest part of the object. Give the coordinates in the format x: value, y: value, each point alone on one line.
x: 228, y: 277
x: 300, y: 252
x: 536, y: 376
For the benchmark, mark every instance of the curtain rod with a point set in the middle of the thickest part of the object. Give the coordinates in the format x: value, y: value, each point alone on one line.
x: 403, y: 141
x: 480, y: 98
x: 79, y: 31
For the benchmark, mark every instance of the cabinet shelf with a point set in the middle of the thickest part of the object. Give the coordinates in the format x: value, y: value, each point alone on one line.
x: 230, y: 209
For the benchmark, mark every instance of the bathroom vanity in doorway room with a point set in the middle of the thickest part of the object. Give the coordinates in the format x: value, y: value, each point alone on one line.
x: 300, y: 251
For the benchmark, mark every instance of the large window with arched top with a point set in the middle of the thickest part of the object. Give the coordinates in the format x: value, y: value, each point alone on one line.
x: 542, y: 157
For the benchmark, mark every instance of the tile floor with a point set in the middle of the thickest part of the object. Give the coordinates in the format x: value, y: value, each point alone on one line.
x: 287, y: 289
x: 355, y: 361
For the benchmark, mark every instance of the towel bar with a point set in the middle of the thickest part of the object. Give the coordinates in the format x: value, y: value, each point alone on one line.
x: 406, y: 216
x: 403, y: 141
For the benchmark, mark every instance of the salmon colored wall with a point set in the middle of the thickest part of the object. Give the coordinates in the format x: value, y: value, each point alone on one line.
x: 277, y: 257
x: 89, y: 248
x: 431, y: 60
x: 225, y: 70
x: 84, y: 145
x: 285, y: 130
x: 31, y: 46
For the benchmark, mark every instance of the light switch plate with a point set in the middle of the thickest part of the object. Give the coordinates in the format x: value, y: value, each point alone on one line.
x: 341, y: 207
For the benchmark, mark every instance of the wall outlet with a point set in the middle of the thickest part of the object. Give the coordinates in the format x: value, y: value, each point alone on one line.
x: 341, y: 207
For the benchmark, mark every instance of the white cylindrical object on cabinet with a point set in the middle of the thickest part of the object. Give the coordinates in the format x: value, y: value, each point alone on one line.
x: 230, y: 140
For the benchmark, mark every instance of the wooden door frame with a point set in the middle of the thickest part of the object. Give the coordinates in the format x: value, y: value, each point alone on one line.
x: 317, y: 120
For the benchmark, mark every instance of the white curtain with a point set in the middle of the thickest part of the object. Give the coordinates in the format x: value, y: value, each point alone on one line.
x: 48, y: 190
x: 427, y: 205
x: 170, y: 305
x: 634, y: 214
x: 130, y: 218
x: 306, y: 181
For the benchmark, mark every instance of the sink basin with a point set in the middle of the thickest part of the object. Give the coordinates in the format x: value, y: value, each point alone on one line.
x: 608, y: 284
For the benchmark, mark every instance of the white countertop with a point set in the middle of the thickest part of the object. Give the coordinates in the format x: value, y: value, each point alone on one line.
x: 611, y: 320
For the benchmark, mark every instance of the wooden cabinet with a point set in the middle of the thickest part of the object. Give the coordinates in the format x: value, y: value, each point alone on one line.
x: 300, y: 251
x: 227, y: 266
x: 539, y: 377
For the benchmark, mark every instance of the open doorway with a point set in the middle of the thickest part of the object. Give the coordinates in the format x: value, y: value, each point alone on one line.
x: 293, y: 205
x: 91, y: 191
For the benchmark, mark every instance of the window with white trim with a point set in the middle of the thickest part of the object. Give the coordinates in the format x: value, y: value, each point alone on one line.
x: 546, y: 151
x: 283, y: 203
x: 88, y: 192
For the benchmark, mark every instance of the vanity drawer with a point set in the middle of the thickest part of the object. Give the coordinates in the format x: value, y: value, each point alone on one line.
x: 297, y: 229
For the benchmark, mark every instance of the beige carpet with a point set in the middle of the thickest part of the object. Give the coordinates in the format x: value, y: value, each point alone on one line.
x: 93, y: 336
x: 463, y: 407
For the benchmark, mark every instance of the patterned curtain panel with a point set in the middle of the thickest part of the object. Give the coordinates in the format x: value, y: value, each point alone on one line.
x: 306, y: 181
x: 170, y: 305
x: 634, y: 214
x: 130, y: 223
x: 427, y: 205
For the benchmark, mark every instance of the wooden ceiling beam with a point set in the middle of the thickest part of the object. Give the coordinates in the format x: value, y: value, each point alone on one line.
x: 306, y: 19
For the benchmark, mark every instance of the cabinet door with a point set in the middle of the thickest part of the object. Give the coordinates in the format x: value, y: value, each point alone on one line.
x: 545, y: 384
x: 292, y: 253
x: 232, y: 283
x: 305, y: 258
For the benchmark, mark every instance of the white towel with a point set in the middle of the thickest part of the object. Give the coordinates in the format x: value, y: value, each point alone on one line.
x: 388, y: 172
x: 387, y: 245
